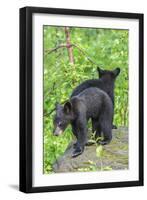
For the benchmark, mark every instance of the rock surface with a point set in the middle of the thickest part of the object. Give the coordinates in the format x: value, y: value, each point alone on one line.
x: 114, y: 156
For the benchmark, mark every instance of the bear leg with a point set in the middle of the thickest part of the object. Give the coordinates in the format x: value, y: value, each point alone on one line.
x: 78, y: 150
x: 81, y: 130
x: 107, y: 133
x: 74, y: 130
x: 96, y: 127
x: 114, y: 126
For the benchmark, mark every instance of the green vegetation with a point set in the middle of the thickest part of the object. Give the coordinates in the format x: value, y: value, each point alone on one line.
x: 108, y: 48
x: 100, y: 153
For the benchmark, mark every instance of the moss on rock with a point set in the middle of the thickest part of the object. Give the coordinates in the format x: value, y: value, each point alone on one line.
x: 114, y: 156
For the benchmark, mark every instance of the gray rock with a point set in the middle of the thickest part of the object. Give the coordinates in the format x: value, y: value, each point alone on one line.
x: 114, y: 156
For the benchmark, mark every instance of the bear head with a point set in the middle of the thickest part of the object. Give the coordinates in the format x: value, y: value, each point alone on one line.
x: 62, y: 118
x: 108, y: 74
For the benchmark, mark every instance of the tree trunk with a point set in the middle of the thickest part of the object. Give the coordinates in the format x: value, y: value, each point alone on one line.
x: 68, y: 44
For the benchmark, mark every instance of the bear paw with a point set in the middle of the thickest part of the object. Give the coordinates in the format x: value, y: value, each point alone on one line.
x: 103, y: 142
x: 77, y: 152
x: 114, y: 126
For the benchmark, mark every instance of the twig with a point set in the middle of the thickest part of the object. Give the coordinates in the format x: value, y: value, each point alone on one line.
x: 45, y: 114
x: 86, y: 55
x: 68, y: 46
x: 56, y: 48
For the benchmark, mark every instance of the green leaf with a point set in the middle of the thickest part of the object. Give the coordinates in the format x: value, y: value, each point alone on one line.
x: 99, y: 151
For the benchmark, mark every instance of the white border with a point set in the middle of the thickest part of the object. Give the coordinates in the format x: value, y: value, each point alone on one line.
x: 39, y: 179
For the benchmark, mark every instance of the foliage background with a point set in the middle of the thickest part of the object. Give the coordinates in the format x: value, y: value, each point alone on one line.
x: 106, y: 47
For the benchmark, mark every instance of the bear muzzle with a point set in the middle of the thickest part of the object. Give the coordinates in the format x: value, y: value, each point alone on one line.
x: 58, y: 131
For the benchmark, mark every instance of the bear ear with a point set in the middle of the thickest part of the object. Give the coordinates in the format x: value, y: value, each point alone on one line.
x: 100, y: 71
x: 116, y: 71
x: 67, y: 107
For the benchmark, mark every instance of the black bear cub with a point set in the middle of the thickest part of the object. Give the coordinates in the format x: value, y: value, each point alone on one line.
x: 93, y: 104
x: 105, y: 82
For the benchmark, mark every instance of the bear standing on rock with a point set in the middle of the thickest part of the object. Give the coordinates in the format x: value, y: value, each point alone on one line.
x: 105, y: 82
x: 92, y: 103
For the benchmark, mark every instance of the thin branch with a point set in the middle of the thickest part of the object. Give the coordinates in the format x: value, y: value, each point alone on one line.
x: 84, y: 53
x: 45, y: 114
x: 55, y: 49
x: 68, y: 46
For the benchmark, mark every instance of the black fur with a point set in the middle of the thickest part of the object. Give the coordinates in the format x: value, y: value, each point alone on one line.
x: 92, y: 103
x: 105, y: 82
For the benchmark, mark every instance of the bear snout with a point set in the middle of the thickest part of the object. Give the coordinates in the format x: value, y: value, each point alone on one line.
x: 58, y: 131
